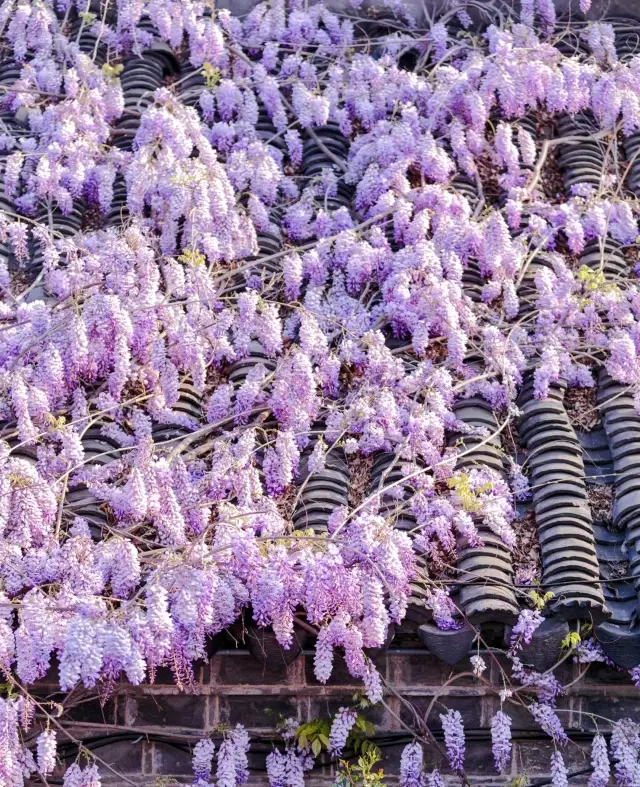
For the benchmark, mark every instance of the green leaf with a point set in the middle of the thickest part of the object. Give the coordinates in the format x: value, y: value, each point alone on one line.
x: 302, y: 740
x: 316, y: 747
x: 211, y: 74
x: 539, y: 600
x: 324, y: 738
x: 570, y: 641
x: 361, y: 723
x: 191, y: 257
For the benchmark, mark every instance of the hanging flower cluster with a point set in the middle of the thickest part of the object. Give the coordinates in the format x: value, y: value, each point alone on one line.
x: 238, y: 258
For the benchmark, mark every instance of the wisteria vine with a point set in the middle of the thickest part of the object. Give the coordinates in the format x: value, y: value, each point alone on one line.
x: 241, y: 259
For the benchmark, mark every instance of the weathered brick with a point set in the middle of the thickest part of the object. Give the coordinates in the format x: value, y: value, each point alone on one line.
x: 147, y: 756
x: 173, y: 710
x: 533, y: 757
x: 462, y: 672
x: 92, y: 712
x: 599, y: 674
x: 391, y: 755
x: 340, y: 675
x: 247, y: 693
x: 256, y: 711
x: 611, y: 707
x: 325, y: 706
x: 124, y: 757
x: 479, y: 759
x: 500, y: 665
x: 469, y: 707
x: 423, y: 669
x: 164, y: 677
x: 414, y: 669
x: 170, y: 760
x: 323, y: 773
x: 390, y: 761
x: 242, y: 669
x: 521, y: 718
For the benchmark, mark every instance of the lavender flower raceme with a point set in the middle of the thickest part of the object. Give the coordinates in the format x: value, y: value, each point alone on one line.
x: 411, y: 770
x: 501, y: 740
x: 625, y: 746
x: 558, y: 771
x: 214, y: 324
x: 277, y: 769
x: 478, y: 664
x: 46, y: 750
x: 202, y: 758
x: 434, y: 779
x: 341, y: 726
x: 454, y: 739
x: 522, y: 633
x: 549, y: 721
x: 227, y: 770
x: 600, y: 762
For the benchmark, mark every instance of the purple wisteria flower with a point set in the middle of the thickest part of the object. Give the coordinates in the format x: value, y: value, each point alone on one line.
x: 454, y: 739
x: 247, y: 297
x: 411, y: 768
x: 501, y: 740
x: 341, y: 726
x: 46, y: 748
x: 559, y: 776
x: 202, y: 759
x: 600, y: 762
x: 549, y: 722
x: 625, y: 749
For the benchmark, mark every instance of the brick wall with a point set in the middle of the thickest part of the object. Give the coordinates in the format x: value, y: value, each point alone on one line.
x: 151, y: 727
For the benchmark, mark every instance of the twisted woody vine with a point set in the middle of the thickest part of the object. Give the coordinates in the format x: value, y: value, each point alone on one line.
x: 242, y: 261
